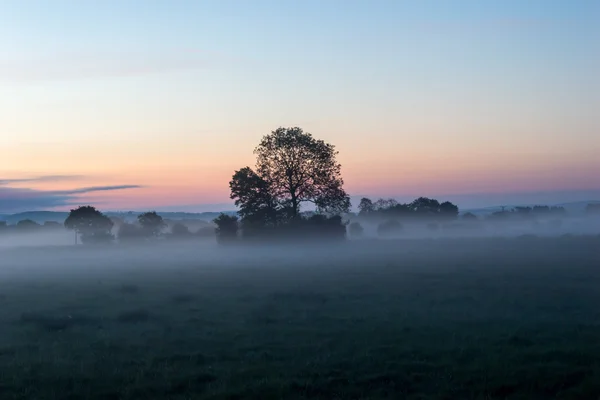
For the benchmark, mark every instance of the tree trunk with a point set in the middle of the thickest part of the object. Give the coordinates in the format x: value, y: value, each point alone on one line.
x: 294, y: 207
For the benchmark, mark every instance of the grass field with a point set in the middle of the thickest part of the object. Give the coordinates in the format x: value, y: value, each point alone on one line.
x: 444, y: 319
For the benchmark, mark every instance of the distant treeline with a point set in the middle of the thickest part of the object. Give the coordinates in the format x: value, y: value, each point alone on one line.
x: 28, y: 225
x: 92, y: 226
x: 421, y: 207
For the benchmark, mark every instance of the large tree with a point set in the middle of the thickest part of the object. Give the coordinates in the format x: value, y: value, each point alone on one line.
x: 293, y: 168
x: 91, y: 224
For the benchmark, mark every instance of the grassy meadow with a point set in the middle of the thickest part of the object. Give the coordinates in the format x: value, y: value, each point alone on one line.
x: 401, y: 319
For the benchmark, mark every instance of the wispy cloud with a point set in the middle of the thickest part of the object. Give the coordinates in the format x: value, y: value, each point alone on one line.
x: 22, y: 199
x: 45, y: 178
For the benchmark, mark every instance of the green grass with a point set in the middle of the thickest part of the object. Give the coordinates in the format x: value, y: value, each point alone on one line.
x: 456, y: 319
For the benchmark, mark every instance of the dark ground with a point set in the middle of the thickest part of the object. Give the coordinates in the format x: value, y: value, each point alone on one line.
x: 452, y: 319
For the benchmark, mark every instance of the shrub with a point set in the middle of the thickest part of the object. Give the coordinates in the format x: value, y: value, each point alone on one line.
x: 356, y: 230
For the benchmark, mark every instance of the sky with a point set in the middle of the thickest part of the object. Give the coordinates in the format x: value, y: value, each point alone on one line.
x: 151, y: 104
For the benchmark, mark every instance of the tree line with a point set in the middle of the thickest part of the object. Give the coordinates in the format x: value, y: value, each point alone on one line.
x: 292, y: 170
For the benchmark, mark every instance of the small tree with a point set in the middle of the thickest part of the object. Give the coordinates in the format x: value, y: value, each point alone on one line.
x: 152, y: 224
x: 448, y: 210
x: 365, y: 207
x: 90, y: 224
x: 227, y: 228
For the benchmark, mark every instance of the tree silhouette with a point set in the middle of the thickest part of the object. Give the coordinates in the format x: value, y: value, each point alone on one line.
x: 152, y: 224
x: 227, y: 228
x: 448, y: 210
x: 252, y: 194
x: 366, y: 206
x: 421, y: 207
x: 425, y: 206
x: 385, y: 204
x: 91, y: 224
x: 299, y: 168
x: 27, y: 225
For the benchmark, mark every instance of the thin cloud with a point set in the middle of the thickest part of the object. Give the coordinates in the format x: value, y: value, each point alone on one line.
x: 45, y: 178
x: 24, y: 199
x: 97, y: 189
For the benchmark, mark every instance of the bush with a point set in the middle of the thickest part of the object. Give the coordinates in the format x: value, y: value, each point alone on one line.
x: 389, y: 228
x: 356, y: 230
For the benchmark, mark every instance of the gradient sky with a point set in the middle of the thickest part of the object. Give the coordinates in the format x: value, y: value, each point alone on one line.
x: 154, y: 104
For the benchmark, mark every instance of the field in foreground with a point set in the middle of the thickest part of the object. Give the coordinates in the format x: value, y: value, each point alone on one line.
x: 453, y: 319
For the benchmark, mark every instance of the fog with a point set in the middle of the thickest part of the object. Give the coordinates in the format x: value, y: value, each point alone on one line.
x: 409, y: 229
x: 551, y: 227
x: 195, y: 319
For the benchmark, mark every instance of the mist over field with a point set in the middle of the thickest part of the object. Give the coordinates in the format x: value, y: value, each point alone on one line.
x: 477, y: 318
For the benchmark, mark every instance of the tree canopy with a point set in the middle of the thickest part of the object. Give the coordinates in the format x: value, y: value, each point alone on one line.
x: 152, y: 224
x: 296, y: 168
x: 91, y: 224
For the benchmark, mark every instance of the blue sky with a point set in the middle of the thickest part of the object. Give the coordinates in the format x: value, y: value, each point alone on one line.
x: 421, y: 97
